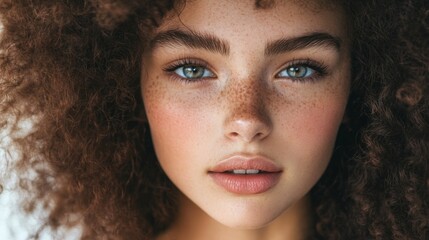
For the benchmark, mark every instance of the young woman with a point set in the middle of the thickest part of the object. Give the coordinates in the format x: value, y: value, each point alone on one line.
x: 221, y: 119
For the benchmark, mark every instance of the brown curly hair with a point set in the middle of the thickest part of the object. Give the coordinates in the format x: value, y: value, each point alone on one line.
x: 74, y: 68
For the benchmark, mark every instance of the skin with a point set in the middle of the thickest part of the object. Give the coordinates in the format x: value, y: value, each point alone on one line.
x: 245, y: 107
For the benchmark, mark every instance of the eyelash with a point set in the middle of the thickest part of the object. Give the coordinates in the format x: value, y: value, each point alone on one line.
x: 183, y: 63
x: 320, y: 70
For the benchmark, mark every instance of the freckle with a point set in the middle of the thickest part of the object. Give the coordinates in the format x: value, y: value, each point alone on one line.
x: 154, y: 90
x: 247, y: 99
x: 277, y: 101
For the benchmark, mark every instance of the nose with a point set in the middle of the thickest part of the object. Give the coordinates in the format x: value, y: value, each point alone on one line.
x: 247, y: 117
x: 247, y: 130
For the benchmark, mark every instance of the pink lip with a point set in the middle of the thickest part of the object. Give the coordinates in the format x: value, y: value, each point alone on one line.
x: 246, y: 183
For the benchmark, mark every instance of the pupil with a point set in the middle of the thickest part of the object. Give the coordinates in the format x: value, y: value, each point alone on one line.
x: 193, y: 72
x: 297, y: 71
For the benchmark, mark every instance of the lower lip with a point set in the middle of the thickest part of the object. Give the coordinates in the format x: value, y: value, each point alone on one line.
x: 246, y: 183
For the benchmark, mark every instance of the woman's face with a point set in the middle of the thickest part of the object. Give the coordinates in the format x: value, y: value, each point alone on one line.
x: 244, y: 104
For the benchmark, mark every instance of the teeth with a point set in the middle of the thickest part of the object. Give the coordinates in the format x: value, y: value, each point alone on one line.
x: 244, y: 171
x: 239, y: 171
x: 252, y: 171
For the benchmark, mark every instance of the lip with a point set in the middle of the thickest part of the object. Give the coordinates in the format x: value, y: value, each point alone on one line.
x: 246, y: 183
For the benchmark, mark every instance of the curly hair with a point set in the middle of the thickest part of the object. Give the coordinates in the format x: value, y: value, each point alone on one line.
x: 73, y: 67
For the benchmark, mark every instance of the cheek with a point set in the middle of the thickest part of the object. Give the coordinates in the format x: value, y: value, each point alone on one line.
x: 176, y: 128
x: 315, y: 117
x: 167, y: 122
x: 312, y: 138
x: 318, y: 124
x: 169, y: 126
x: 307, y: 146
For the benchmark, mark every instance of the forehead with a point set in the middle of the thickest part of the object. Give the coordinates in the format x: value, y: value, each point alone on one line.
x: 281, y: 17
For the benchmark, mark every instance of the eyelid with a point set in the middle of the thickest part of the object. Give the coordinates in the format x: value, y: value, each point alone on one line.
x: 172, y: 67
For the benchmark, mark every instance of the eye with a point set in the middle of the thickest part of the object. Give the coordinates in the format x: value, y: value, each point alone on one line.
x: 297, y: 71
x: 193, y: 72
x: 303, y: 70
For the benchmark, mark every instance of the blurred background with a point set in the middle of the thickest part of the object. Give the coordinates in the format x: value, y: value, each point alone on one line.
x: 14, y: 224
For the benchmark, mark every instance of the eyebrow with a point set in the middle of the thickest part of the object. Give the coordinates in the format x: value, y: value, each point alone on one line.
x: 311, y: 40
x: 191, y: 39
x: 212, y: 43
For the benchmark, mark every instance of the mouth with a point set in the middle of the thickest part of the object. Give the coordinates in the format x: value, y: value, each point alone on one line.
x: 245, y: 171
x: 246, y: 175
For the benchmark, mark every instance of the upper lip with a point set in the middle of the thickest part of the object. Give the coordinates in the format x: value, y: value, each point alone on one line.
x: 246, y: 162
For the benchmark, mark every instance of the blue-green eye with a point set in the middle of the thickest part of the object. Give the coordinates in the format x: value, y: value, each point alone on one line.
x: 193, y: 72
x: 297, y: 71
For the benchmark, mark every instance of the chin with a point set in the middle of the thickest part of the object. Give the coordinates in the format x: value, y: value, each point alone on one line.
x: 246, y: 224
x: 246, y: 221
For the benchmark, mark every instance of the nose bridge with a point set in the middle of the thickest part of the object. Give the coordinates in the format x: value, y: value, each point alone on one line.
x: 247, y: 117
x: 245, y: 98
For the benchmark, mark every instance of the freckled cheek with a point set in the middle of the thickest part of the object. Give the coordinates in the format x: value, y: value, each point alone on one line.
x: 172, y: 123
x: 314, y: 127
x: 176, y: 127
x: 321, y: 122
x: 309, y: 140
x: 168, y: 118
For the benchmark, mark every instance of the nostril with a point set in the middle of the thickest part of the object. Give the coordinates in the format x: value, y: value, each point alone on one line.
x: 246, y: 136
x: 233, y: 134
x: 247, y: 129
